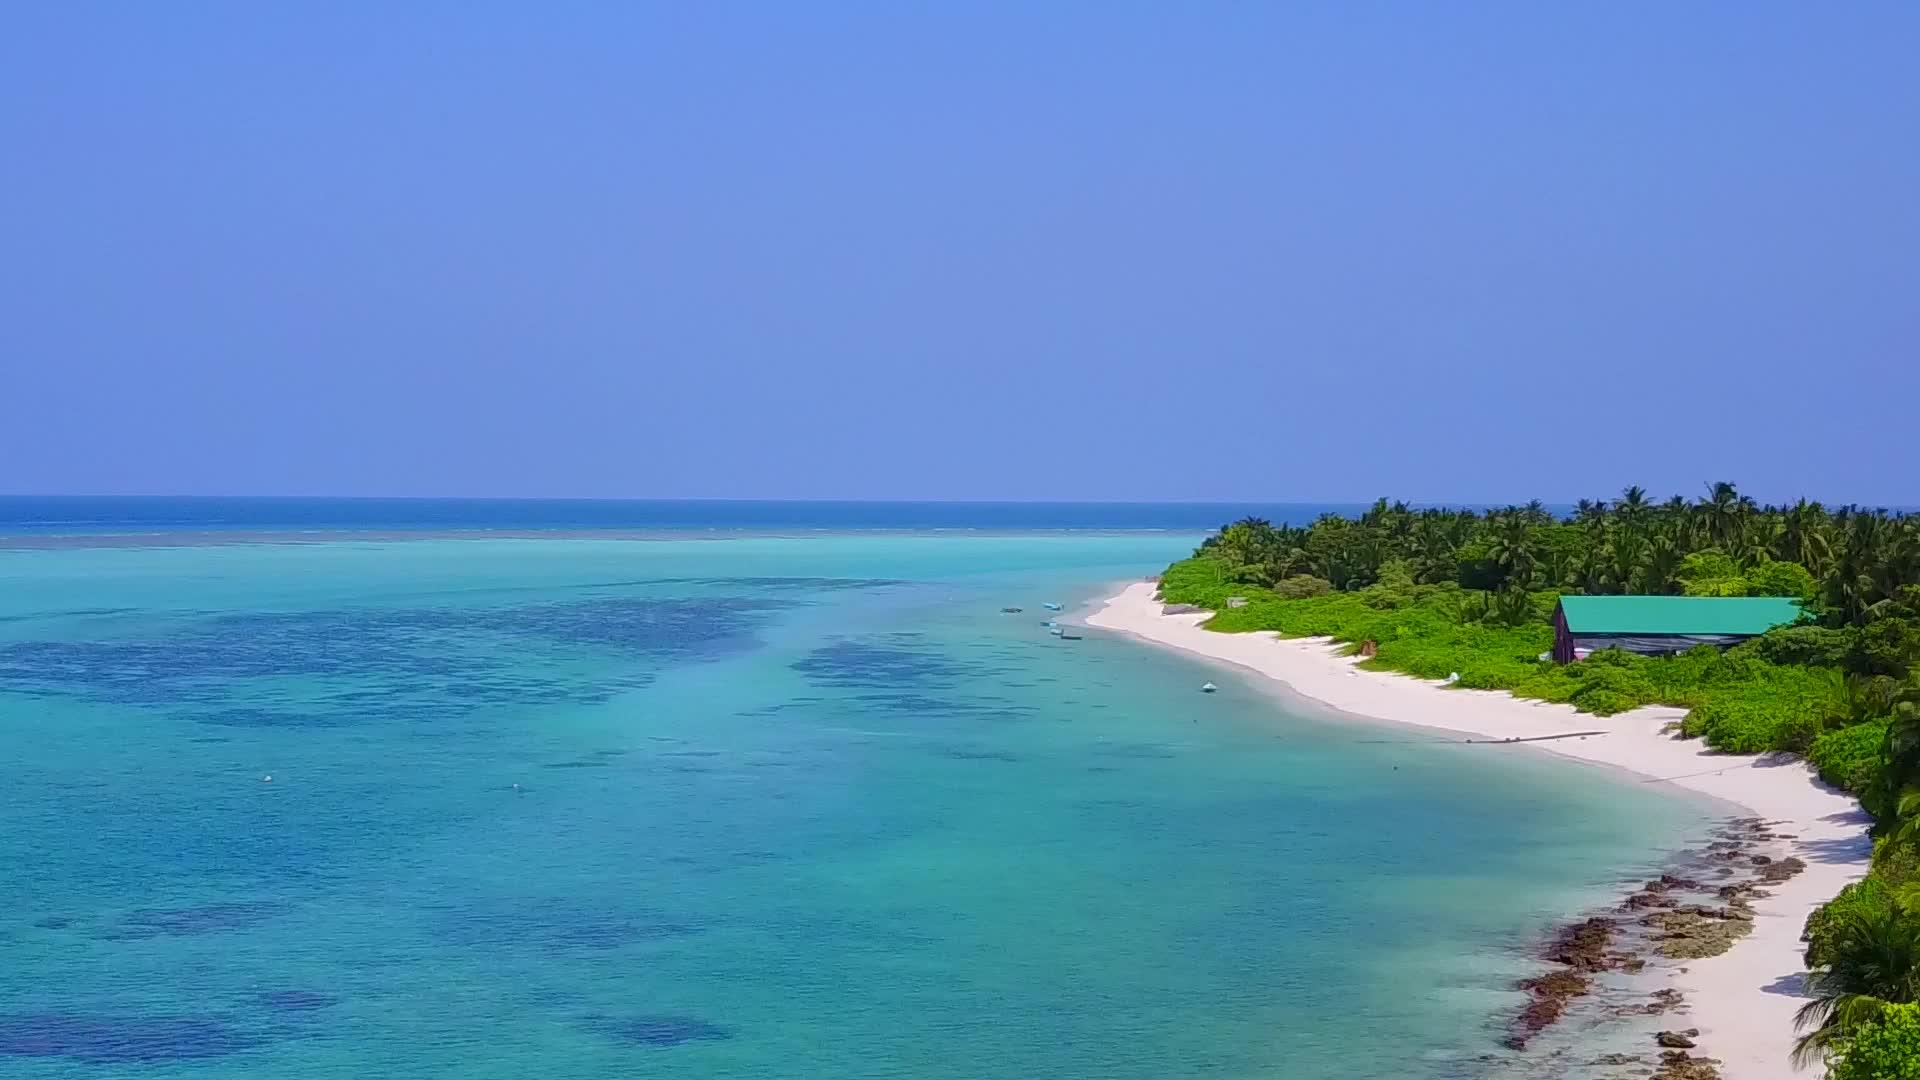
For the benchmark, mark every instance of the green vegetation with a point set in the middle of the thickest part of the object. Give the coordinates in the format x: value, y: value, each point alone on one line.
x: 1887, y: 1048
x: 1438, y: 593
x: 1873, y: 962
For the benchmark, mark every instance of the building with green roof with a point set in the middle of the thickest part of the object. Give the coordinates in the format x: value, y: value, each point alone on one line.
x: 1660, y: 625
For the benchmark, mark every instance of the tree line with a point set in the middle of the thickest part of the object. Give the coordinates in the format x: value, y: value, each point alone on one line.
x: 1842, y: 560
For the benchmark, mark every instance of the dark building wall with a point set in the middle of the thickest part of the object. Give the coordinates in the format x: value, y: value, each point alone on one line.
x: 1647, y: 644
x: 1562, y: 639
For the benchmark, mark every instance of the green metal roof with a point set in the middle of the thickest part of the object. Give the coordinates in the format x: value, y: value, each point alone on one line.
x: 1678, y: 614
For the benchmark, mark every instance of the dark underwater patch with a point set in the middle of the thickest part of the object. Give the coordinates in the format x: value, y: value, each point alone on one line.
x: 270, y: 718
x: 894, y: 660
x: 810, y: 584
x: 297, y: 1000
x: 53, y: 922
x: 448, y: 661
x: 109, y: 1040
x: 554, y: 925
x: 1134, y: 750
x: 658, y: 1031
x: 200, y: 919
x: 961, y: 753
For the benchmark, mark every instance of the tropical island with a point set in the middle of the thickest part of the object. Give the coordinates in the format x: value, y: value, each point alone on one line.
x: 1473, y: 600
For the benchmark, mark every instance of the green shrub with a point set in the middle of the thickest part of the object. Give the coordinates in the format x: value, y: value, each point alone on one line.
x: 1888, y: 1048
x: 1886, y: 647
x: 1711, y: 573
x: 1744, y: 725
x: 1869, y: 895
x: 1605, y: 686
x: 1814, y: 645
x: 1203, y: 581
x: 1781, y: 579
x: 1603, y: 702
x: 1849, y: 757
x: 1301, y: 586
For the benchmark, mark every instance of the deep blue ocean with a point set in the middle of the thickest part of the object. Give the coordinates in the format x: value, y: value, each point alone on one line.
x: 86, y: 514
x: 580, y: 805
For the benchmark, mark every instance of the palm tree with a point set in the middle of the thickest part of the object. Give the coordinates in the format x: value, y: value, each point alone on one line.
x: 1242, y: 541
x: 1753, y: 539
x: 1431, y: 551
x: 1591, y: 512
x: 1803, y: 537
x: 1897, y: 785
x: 1627, y: 557
x: 1875, y: 961
x: 1633, y: 508
x: 1512, y: 551
x: 1720, y: 511
x: 1660, y: 570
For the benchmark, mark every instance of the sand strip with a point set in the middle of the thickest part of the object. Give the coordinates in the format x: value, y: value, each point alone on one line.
x: 1743, y: 1001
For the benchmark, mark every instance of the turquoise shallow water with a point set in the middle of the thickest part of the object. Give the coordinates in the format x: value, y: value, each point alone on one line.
x: 785, y: 808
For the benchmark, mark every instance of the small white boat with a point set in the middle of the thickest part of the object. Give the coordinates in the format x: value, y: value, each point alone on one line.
x: 1051, y: 607
x: 1055, y: 631
x: 1208, y: 688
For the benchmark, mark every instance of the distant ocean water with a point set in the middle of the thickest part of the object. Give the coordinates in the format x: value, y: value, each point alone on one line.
x: 785, y: 807
x: 69, y: 514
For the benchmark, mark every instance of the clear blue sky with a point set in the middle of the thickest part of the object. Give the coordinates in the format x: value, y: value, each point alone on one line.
x: 877, y: 250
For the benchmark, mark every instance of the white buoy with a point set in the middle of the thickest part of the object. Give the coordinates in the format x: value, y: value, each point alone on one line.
x: 266, y: 779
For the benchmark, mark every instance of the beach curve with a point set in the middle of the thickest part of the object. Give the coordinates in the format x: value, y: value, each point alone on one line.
x: 1742, y: 1001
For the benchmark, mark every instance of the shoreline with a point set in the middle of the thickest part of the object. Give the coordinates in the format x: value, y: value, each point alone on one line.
x: 1742, y: 1001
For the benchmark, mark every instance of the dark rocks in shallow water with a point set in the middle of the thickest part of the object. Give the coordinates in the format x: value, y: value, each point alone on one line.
x: 1679, y: 1065
x: 659, y: 1031
x: 1583, y: 950
x: 1693, y: 932
x: 1674, y: 1040
x: 1550, y: 993
x: 200, y: 919
x: 1583, y: 946
x: 297, y: 1000
x: 109, y: 1040
x: 1775, y: 873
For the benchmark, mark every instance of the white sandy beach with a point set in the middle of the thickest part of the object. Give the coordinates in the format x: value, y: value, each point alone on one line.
x: 1743, y: 1001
